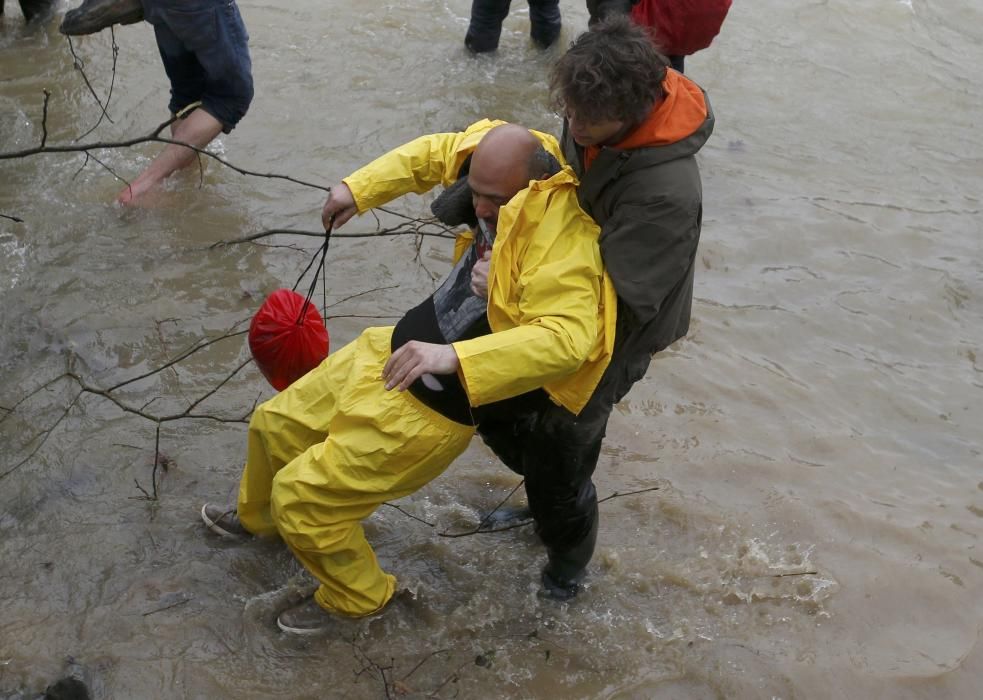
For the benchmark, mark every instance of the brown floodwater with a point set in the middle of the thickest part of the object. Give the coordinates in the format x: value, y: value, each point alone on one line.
x: 815, y: 440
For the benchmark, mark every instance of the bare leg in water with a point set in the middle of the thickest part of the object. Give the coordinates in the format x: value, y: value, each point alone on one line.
x: 197, y: 129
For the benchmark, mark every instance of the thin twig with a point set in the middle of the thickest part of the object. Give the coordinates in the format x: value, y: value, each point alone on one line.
x: 44, y: 118
x: 486, y: 518
x: 79, y: 65
x: 200, y: 345
x: 395, y: 231
x: 15, y: 219
x: 794, y: 573
x: 145, y: 497
x: 154, y: 137
x: 81, y: 167
x: 153, y: 474
x: 47, y: 434
x: 408, y: 514
x: 111, y: 171
x: 168, y: 607
x: 220, y: 385
x: 423, y: 661
x: 617, y: 494
x: 479, y: 531
x: 112, y: 83
x: 451, y: 677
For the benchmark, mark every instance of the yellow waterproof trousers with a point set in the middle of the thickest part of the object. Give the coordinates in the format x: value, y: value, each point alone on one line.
x: 326, y: 452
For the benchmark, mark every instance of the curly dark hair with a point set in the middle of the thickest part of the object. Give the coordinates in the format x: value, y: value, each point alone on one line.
x: 611, y: 73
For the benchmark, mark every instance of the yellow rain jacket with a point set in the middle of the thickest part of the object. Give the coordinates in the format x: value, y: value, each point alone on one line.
x: 551, y: 306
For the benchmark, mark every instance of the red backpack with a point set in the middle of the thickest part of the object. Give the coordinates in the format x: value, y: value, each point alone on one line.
x: 682, y: 27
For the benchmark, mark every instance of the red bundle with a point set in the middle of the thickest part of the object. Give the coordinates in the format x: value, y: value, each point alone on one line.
x: 284, y: 344
x: 682, y: 27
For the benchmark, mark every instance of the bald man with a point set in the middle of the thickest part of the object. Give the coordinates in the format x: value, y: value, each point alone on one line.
x: 389, y: 412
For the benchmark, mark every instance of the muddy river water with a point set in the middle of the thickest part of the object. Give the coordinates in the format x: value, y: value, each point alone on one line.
x: 815, y: 439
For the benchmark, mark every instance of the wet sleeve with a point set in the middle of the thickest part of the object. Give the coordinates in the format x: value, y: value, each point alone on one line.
x: 417, y: 166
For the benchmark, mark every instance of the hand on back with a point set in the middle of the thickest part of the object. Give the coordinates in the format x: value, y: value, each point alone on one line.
x: 416, y: 358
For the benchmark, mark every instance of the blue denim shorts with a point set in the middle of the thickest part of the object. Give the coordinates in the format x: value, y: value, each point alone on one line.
x: 205, y: 50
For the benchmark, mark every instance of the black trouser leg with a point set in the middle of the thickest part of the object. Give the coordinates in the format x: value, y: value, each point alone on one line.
x: 559, y: 463
x: 37, y: 8
x: 544, y: 18
x: 486, y: 24
x: 557, y: 453
x: 677, y: 62
x: 507, y: 426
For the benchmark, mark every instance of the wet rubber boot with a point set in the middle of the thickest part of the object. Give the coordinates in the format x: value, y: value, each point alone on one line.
x: 485, y: 28
x: 39, y: 10
x: 566, y: 570
x: 95, y: 15
x: 545, y: 20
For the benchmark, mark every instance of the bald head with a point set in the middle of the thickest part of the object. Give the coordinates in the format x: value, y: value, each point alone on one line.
x: 503, y: 164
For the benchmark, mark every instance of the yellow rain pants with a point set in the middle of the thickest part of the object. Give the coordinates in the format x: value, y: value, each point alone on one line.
x: 326, y: 452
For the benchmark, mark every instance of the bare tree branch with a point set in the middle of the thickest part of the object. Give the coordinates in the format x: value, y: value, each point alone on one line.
x: 112, y: 83
x: 400, y: 230
x: 44, y: 118
x: 488, y: 517
x: 79, y: 65
x: 153, y: 137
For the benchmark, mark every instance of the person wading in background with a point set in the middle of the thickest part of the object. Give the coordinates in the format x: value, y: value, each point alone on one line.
x: 487, y: 17
x: 204, y: 47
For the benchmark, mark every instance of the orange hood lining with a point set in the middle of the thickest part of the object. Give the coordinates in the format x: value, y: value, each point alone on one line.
x: 679, y: 114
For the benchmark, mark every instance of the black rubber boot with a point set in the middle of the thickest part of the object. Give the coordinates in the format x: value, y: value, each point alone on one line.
x: 544, y: 18
x: 95, y: 15
x: 485, y: 28
x: 566, y: 570
x: 38, y: 10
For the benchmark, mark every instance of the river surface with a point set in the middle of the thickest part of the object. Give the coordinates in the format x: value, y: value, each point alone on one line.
x: 815, y: 439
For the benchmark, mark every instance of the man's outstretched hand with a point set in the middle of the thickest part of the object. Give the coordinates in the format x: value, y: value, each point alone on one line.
x: 340, y: 205
x: 416, y: 358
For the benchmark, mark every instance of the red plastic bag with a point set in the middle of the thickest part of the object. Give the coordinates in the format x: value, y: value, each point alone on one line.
x: 283, y: 348
x: 682, y: 27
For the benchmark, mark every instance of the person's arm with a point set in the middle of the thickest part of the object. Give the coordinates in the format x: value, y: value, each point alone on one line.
x: 417, y: 166
x: 648, y: 248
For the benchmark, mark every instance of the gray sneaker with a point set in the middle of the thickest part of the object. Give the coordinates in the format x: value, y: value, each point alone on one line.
x: 306, y: 618
x: 223, y: 521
